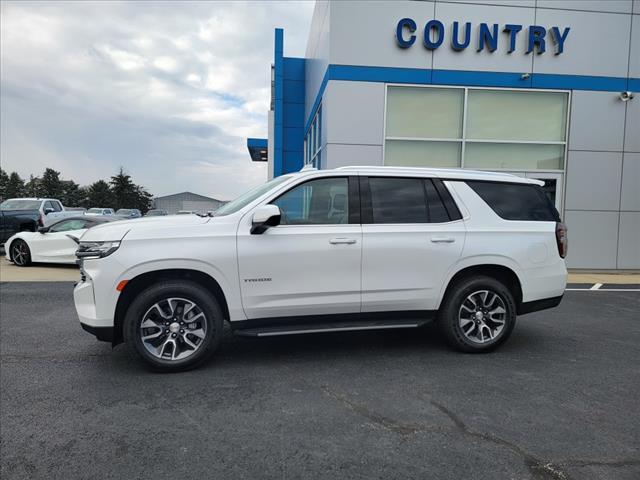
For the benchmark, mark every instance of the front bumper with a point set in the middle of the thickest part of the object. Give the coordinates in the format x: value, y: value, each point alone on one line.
x: 85, y: 302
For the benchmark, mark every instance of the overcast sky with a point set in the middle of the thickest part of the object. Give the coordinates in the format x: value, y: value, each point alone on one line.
x: 168, y: 90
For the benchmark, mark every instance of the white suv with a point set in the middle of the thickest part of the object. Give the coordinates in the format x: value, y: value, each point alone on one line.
x: 356, y: 248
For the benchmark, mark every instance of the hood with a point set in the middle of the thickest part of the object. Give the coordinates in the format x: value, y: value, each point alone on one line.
x: 115, y: 231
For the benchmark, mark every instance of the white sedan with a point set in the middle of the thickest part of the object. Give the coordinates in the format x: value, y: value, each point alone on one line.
x: 56, y: 243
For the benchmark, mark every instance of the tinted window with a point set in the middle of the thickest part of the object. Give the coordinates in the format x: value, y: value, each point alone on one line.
x: 56, y: 206
x: 398, y: 200
x: 437, y: 210
x: 322, y: 201
x: 513, y: 201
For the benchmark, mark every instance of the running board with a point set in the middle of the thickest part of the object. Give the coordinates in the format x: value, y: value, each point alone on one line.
x: 324, y: 328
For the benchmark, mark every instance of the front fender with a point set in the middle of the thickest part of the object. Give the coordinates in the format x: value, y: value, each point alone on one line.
x: 226, y: 284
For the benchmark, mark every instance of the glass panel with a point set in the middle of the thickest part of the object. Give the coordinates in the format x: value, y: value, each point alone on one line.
x: 424, y: 112
x: 437, y: 211
x: 408, y: 153
x: 398, y: 200
x: 323, y: 201
x: 516, y: 201
x: 550, y: 188
x: 516, y: 115
x: 521, y: 156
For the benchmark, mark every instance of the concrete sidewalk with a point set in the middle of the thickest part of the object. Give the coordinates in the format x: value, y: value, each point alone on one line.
x: 37, y: 273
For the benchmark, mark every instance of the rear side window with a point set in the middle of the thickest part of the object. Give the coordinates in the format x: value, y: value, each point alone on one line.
x: 406, y: 200
x: 398, y: 200
x: 515, y: 201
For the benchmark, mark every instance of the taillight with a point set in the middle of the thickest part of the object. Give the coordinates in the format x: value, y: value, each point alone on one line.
x: 561, y: 239
x: 41, y: 220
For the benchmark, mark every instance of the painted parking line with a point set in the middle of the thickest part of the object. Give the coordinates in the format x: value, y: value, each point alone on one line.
x: 598, y: 288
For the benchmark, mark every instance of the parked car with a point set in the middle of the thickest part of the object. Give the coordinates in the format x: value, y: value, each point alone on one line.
x: 129, y: 213
x: 100, y: 211
x: 156, y: 213
x: 356, y: 248
x: 56, y: 243
x: 27, y: 214
x: 186, y: 212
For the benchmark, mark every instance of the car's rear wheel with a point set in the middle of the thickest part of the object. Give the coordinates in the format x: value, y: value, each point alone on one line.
x: 478, y: 314
x: 20, y: 253
x: 174, y: 326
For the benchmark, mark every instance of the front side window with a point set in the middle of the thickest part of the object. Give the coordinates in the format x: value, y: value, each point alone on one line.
x: 324, y: 201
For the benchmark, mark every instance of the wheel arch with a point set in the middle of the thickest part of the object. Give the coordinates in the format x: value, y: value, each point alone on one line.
x: 142, y: 281
x: 503, y: 273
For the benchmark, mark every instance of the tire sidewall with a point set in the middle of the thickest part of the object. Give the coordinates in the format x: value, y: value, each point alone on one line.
x: 449, y: 319
x: 190, y: 291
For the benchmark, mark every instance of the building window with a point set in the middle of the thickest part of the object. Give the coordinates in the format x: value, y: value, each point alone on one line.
x: 493, y: 129
x: 313, y: 141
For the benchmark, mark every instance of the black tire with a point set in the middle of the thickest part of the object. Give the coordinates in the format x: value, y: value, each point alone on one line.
x: 449, y: 320
x: 20, y: 253
x: 191, y: 291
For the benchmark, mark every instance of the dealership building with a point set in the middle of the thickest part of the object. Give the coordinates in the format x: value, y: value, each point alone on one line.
x: 539, y: 88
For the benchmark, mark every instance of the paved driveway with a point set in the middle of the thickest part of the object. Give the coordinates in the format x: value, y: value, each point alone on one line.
x: 559, y: 401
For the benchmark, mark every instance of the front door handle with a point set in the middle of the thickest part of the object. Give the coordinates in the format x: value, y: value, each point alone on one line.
x: 339, y: 241
x: 443, y: 239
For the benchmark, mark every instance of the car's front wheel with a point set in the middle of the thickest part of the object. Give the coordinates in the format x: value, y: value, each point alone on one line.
x: 478, y: 314
x: 174, y: 326
x: 20, y: 253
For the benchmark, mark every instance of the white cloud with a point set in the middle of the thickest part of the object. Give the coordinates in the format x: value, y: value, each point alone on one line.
x: 168, y: 90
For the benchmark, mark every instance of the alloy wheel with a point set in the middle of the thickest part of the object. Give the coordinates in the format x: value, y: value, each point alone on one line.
x: 482, y: 316
x: 173, y: 329
x: 19, y: 253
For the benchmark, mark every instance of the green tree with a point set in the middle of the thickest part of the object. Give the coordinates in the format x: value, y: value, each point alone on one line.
x: 143, y: 199
x: 72, y: 195
x: 15, y: 186
x: 51, y: 184
x: 33, y: 188
x: 100, y: 195
x: 124, y: 190
x: 4, y: 179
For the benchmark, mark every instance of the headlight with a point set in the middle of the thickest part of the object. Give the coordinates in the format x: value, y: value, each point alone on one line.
x: 96, y: 249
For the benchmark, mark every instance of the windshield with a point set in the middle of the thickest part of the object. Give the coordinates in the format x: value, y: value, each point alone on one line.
x: 20, y: 204
x: 245, y: 199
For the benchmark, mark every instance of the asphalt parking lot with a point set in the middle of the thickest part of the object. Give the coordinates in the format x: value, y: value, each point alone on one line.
x: 558, y: 401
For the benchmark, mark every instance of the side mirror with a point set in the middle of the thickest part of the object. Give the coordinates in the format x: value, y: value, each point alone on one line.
x: 265, y: 216
x: 43, y: 229
x: 48, y: 210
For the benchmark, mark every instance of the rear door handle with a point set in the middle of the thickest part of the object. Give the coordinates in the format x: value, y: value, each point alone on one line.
x: 443, y: 239
x: 339, y: 241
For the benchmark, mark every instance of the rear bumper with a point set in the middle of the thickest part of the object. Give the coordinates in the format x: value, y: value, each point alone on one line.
x: 537, y: 305
x: 104, y: 334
